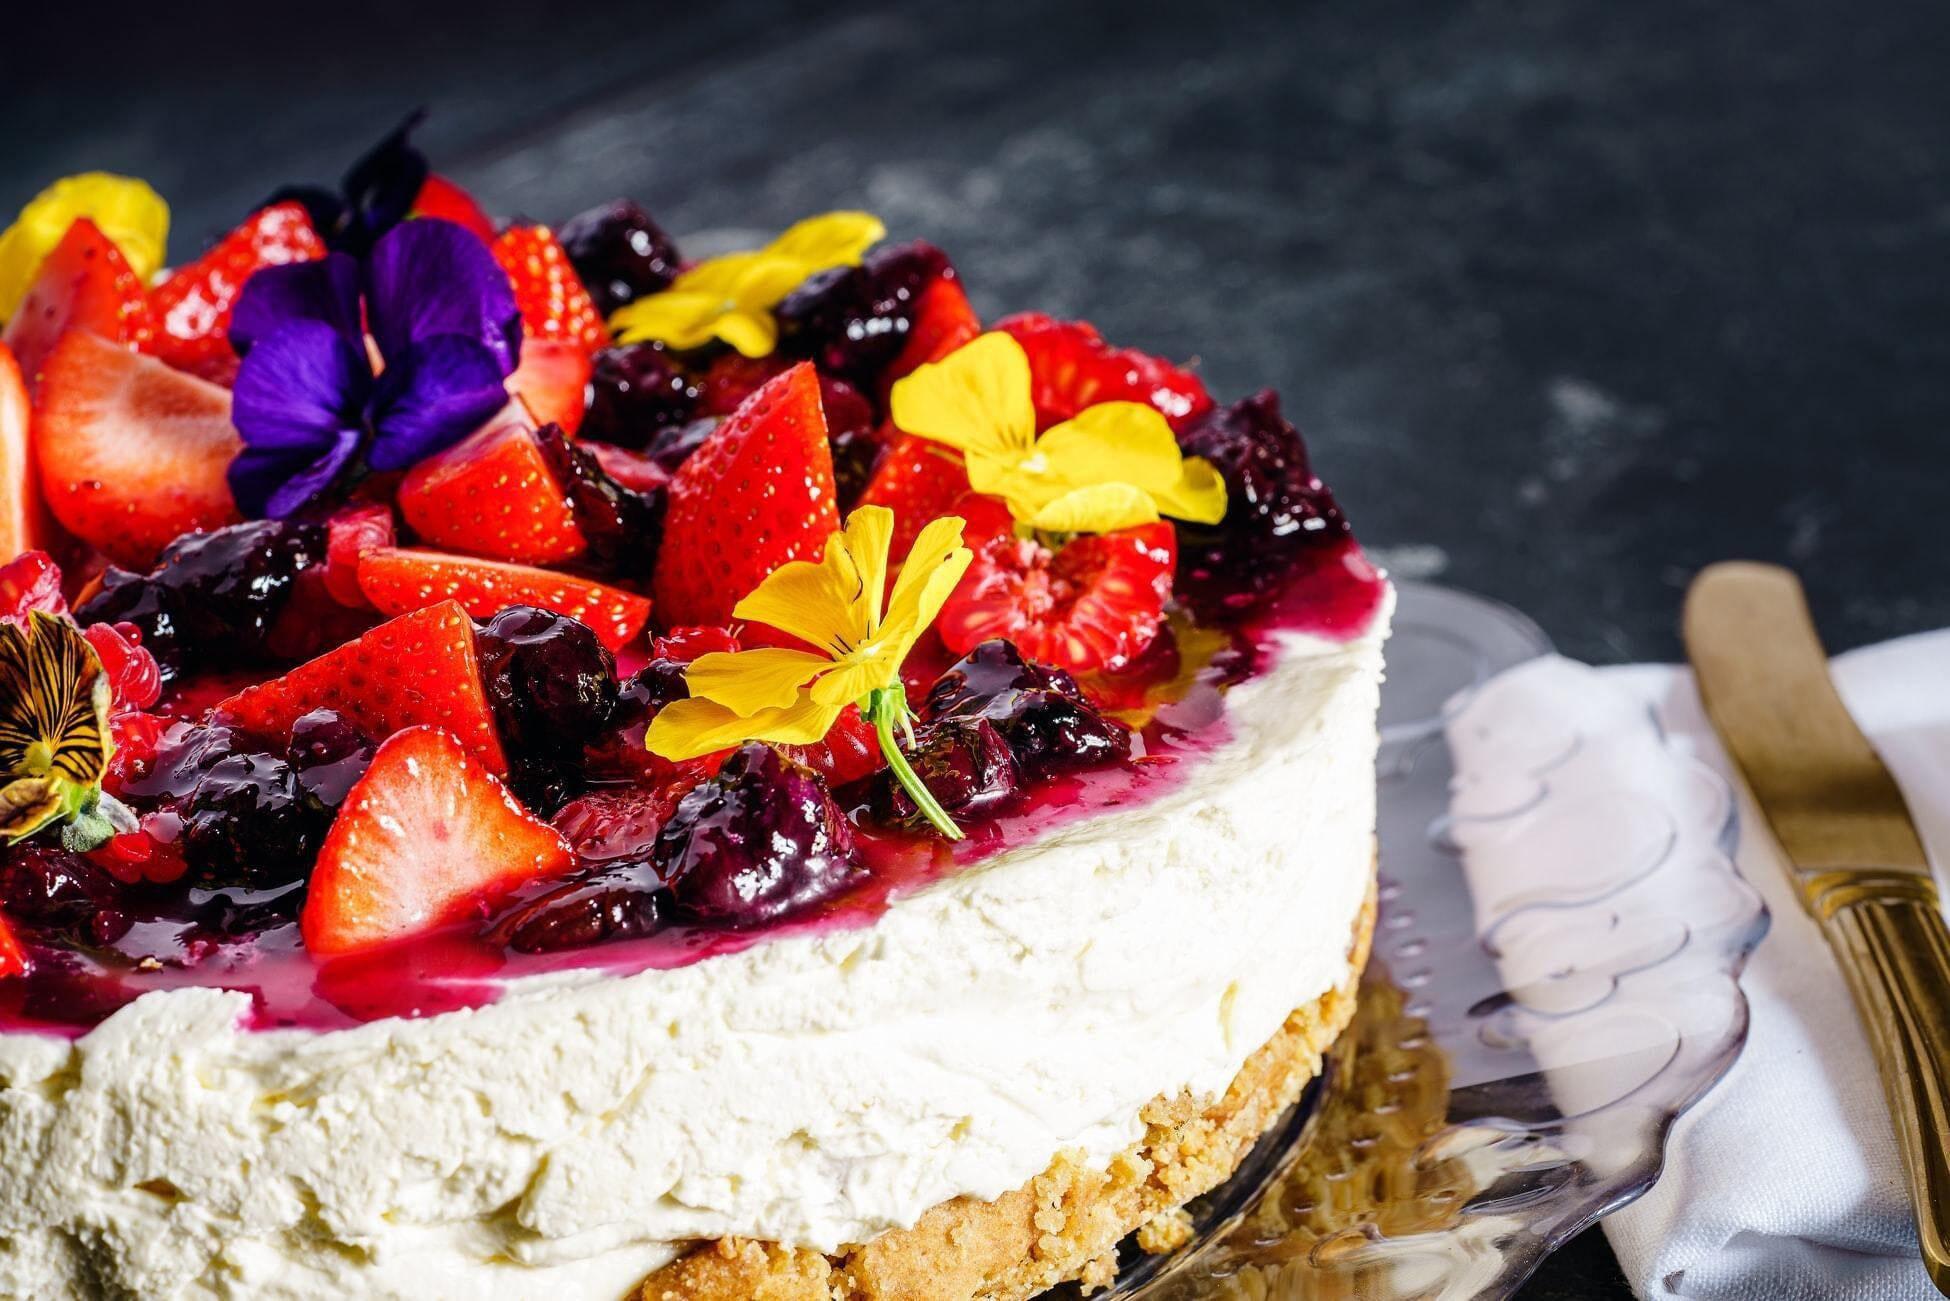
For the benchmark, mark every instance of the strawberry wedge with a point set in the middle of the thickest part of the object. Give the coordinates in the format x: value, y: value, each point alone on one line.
x: 396, y: 580
x: 491, y: 494
x: 426, y: 838
x: 417, y: 669
x: 24, y: 525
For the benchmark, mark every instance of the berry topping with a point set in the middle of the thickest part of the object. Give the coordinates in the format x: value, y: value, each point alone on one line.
x: 1276, y: 505
x: 919, y: 480
x: 132, y: 453
x: 963, y: 761
x: 85, y: 284
x: 192, y: 307
x: 329, y: 753
x: 623, y: 525
x: 620, y: 902
x: 30, y: 581
x: 555, y: 307
x: 440, y: 197
x: 250, y: 822
x: 606, y: 826
x: 636, y: 390
x: 619, y: 252
x: 552, y: 381
x: 1074, y: 368
x: 549, y: 680
x: 757, y: 493
x: 420, y: 668
x: 1039, y: 711
x: 943, y: 322
x: 400, y: 580
x: 760, y: 841
x: 492, y: 494
x: 426, y: 838
x: 218, y: 594
x: 24, y: 525
x: 349, y: 534
x: 1094, y: 604
x: 671, y: 446
x: 854, y: 321
x: 62, y: 895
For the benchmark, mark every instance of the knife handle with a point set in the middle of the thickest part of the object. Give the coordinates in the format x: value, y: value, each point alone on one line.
x: 1894, y: 950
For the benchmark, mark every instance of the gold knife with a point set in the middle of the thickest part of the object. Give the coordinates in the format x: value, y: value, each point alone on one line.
x: 1852, y: 848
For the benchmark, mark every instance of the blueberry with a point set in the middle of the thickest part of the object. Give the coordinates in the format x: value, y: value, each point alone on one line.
x: 760, y: 841
x: 1040, y: 711
x: 964, y: 763
x: 250, y: 822
x: 853, y: 321
x: 619, y: 902
x: 549, y: 679
x: 329, y: 753
x: 619, y: 252
x: 220, y: 592
x: 634, y: 391
x: 1275, y: 505
x: 623, y: 526
x: 62, y: 895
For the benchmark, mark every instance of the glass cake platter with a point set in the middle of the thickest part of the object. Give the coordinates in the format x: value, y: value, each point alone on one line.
x: 1463, y: 1129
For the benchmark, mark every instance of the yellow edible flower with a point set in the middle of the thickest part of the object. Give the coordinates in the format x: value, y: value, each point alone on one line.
x: 127, y: 210
x: 732, y: 297
x: 863, y: 632
x: 54, y: 738
x: 1111, y: 466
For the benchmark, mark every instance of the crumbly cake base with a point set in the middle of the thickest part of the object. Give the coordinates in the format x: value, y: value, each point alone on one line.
x: 1064, y: 1224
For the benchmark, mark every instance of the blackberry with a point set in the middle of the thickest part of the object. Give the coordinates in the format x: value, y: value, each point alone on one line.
x: 250, y: 822
x: 624, y: 526
x: 618, y: 902
x: 964, y: 763
x: 62, y: 895
x: 634, y: 391
x: 619, y: 252
x: 1040, y: 711
x: 549, y: 679
x: 329, y: 753
x: 673, y: 444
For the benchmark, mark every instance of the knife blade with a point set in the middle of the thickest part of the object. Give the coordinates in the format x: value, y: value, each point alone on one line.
x: 1853, y: 852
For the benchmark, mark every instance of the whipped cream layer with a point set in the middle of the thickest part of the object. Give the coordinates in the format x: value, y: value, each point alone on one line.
x: 817, y: 1089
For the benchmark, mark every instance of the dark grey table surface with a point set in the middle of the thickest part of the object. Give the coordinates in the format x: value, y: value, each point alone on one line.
x: 1570, y: 297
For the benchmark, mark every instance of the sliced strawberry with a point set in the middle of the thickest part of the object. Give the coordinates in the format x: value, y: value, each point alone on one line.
x: 492, y: 494
x: 24, y: 525
x: 131, y: 452
x: 552, y: 381
x: 943, y: 322
x: 919, y: 480
x: 192, y: 307
x: 402, y: 579
x: 733, y: 377
x: 1074, y: 368
x: 555, y: 308
x: 13, y: 956
x: 1096, y: 604
x: 418, y: 668
x: 349, y: 535
x: 440, y: 197
x: 850, y: 750
x: 757, y: 493
x: 426, y: 838
x: 85, y: 284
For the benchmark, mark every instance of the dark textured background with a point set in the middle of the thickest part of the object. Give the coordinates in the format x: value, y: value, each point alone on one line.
x: 1571, y: 297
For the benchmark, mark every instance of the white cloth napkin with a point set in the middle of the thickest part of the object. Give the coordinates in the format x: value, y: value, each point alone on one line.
x: 1784, y: 1182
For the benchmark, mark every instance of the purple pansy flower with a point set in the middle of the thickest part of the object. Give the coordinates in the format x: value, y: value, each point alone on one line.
x: 308, y: 403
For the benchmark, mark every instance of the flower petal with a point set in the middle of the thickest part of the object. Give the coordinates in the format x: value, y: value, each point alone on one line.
x: 976, y: 399
x: 437, y: 392
x: 820, y: 602
x: 381, y: 186
x: 746, y: 682
x: 685, y: 729
x: 751, y: 331
x: 830, y: 239
x: 934, y: 564
x: 298, y: 406
x: 326, y: 290
x: 429, y: 277
x: 1098, y: 508
x: 1126, y: 443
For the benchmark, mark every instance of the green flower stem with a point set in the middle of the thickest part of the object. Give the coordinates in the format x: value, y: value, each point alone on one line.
x: 885, y: 707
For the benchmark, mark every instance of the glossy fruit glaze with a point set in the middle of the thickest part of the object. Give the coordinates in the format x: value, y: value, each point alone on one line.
x: 158, y: 938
